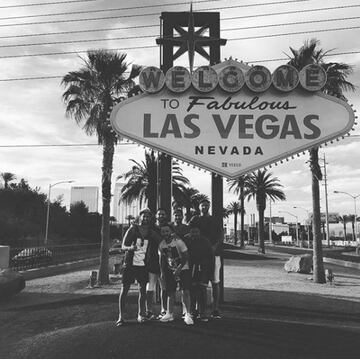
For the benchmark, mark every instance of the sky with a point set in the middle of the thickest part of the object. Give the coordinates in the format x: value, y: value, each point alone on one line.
x: 33, y: 114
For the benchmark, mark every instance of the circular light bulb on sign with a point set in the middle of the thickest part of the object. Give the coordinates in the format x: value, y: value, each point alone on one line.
x: 231, y: 79
x: 313, y: 77
x: 285, y: 78
x: 178, y: 79
x: 204, y: 79
x: 258, y: 78
x: 151, y: 79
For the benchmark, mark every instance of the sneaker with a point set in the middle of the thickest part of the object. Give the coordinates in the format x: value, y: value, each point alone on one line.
x: 203, y: 318
x: 215, y: 314
x: 150, y: 316
x: 168, y: 317
x: 141, y: 319
x: 188, y: 319
x: 160, y: 315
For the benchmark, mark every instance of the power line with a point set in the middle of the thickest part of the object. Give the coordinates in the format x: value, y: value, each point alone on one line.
x: 60, y: 145
x: 155, y: 35
x: 294, y: 33
x: 155, y: 46
x: 114, y: 9
x: 45, y: 3
x: 253, y: 62
x: 156, y: 25
x: 141, y: 15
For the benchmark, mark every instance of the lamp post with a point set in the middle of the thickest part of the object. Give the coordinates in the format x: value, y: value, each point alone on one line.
x: 297, y: 234
x: 48, y: 209
x: 354, y: 198
x: 308, y: 227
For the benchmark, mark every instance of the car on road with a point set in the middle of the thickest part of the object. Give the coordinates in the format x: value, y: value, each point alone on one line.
x: 32, y: 258
x: 116, y: 248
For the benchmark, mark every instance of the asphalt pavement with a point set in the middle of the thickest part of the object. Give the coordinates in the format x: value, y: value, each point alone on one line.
x: 267, y: 313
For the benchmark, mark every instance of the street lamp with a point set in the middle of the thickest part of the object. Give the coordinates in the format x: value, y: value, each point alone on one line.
x: 308, y: 227
x: 297, y: 235
x: 354, y: 198
x: 48, y: 209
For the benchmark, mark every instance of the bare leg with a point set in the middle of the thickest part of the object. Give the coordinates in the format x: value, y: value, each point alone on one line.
x: 186, y: 301
x: 142, y: 300
x: 150, y: 301
x: 122, y: 299
x: 202, y: 294
x: 193, y: 297
x: 215, y: 295
x: 170, y: 302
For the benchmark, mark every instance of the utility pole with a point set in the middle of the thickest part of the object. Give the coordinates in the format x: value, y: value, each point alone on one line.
x: 326, y: 204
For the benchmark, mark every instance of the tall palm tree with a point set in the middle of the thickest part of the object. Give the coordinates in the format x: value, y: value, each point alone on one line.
x: 260, y: 186
x: 141, y: 181
x: 352, y: 220
x: 7, y: 177
x: 238, y: 186
x: 235, y: 209
x: 336, y: 83
x: 90, y: 93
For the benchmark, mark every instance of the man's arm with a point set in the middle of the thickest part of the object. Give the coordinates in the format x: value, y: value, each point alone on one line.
x: 128, y: 241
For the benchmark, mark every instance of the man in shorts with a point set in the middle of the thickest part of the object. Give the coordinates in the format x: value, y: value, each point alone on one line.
x: 175, y: 269
x: 202, y: 270
x: 210, y: 230
x: 154, y: 271
x: 137, y: 241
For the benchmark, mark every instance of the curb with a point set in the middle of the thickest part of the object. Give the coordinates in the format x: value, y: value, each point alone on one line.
x: 58, y: 269
x: 342, y: 263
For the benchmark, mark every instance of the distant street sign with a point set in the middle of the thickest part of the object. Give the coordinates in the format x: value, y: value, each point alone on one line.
x: 232, y: 133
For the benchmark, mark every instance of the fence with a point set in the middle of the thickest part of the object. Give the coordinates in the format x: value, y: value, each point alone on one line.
x: 36, y: 257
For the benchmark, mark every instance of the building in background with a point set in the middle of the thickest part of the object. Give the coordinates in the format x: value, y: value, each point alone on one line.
x: 87, y: 194
x: 122, y: 210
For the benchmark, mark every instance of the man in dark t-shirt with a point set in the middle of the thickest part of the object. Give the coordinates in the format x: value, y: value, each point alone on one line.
x: 202, y: 269
x: 181, y: 229
x: 210, y: 230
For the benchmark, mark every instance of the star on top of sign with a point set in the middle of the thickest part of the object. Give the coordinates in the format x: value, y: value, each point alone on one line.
x: 191, y: 40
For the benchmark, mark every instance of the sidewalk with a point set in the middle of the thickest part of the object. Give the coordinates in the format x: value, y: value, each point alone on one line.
x: 245, y: 270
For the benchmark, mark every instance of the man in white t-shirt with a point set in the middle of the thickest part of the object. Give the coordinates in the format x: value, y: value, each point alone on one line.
x: 137, y: 241
x: 174, y: 265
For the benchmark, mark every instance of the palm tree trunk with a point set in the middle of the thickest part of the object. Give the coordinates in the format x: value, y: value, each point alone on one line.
x: 344, y: 231
x: 242, y: 215
x: 261, y: 230
x: 107, y: 167
x: 235, y: 228
x: 319, y: 273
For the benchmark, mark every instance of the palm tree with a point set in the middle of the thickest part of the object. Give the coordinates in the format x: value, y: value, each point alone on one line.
x: 7, y: 177
x: 260, y: 186
x: 335, y: 85
x: 235, y: 209
x: 142, y: 181
x: 90, y: 94
x: 352, y: 220
x: 238, y: 186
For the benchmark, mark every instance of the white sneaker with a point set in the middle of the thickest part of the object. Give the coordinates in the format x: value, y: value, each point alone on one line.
x: 168, y: 317
x: 188, y: 319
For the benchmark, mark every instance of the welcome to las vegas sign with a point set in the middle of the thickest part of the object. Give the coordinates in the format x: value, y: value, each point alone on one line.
x: 231, y: 119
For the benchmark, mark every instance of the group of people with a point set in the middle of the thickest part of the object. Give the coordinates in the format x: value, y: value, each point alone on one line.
x: 172, y: 255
